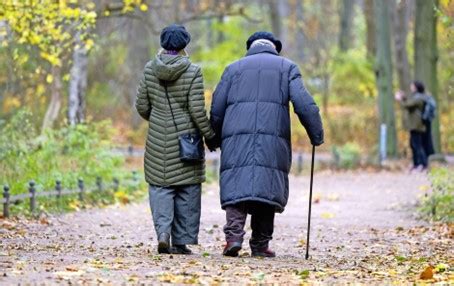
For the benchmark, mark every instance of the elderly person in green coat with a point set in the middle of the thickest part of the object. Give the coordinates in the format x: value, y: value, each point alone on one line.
x: 171, y: 98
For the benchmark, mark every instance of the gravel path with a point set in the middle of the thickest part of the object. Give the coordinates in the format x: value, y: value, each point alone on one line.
x: 364, y: 230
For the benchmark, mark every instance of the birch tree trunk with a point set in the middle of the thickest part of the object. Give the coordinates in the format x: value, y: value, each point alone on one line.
x: 54, y: 106
x: 384, y: 75
x: 78, y: 84
x: 426, y: 56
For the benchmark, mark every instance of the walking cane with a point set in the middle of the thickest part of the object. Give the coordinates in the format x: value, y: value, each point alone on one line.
x: 310, y: 203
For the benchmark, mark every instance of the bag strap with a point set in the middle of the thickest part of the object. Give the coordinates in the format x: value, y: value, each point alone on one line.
x: 170, y: 106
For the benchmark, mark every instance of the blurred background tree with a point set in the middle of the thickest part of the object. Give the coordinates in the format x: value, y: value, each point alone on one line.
x: 76, y: 61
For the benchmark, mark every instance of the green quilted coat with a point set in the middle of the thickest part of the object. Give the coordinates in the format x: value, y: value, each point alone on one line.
x: 163, y: 166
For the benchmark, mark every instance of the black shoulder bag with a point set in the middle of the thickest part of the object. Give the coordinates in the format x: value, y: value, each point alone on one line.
x: 191, y: 145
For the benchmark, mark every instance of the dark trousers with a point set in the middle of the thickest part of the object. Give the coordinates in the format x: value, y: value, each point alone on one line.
x: 176, y: 211
x: 417, y: 148
x: 262, y: 223
x: 427, y: 141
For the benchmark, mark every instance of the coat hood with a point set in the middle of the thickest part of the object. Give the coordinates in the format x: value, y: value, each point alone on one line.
x: 169, y: 67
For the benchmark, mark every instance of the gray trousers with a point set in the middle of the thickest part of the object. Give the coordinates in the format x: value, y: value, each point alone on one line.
x: 262, y: 223
x: 176, y: 211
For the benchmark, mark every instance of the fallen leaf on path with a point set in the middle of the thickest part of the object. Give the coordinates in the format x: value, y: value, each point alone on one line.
x: 327, y: 215
x: 332, y: 197
x: 424, y: 188
x: 72, y: 268
x: 301, y: 242
x: 441, y: 267
x: 66, y: 274
x: 428, y: 273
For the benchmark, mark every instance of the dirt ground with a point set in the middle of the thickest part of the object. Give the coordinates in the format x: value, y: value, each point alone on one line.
x: 364, y: 230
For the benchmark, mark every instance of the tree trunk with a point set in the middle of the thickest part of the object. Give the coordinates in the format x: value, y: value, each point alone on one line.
x: 296, y: 40
x: 176, y: 11
x: 278, y: 11
x: 384, y: 74
x: 138, y: 55
x: 221, y: 36
x: 401, y: 17
x: 55, y: 99
x: 78, y: 84
x: 346, y: 23
x: 221, y: 19
x: 370, y: 28
x: 426, y: 56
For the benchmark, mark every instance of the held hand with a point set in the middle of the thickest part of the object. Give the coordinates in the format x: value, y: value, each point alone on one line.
x: 211, y: 144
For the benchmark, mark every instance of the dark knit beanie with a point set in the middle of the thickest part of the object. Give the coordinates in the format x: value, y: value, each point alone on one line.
x: 174, y: 38
x: 264, y: 35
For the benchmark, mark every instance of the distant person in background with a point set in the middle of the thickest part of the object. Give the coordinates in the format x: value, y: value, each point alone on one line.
x: 428, y: 115
x: 250, y: 116
x: 171, y: 98
x: 418, y: 113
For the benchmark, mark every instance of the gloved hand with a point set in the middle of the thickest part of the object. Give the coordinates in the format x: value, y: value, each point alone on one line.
x: 211, y: 144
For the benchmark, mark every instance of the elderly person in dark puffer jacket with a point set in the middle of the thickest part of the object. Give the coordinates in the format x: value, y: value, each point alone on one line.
x: 175, y: 186
x: 250, y: 116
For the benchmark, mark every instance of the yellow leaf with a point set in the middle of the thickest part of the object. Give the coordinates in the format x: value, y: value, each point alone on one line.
x: 40, y: 89
x: 122, y: 197
x: 143, y: 7
x: 11, y: 103
x: 327, y: 215
x: 424, y: 188
x: 74, y: 205
x: 49, y: 78
x: 89, y: 44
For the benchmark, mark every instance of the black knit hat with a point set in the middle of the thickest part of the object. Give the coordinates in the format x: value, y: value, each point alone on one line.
x: 264, y: 35
x: 174, y: 37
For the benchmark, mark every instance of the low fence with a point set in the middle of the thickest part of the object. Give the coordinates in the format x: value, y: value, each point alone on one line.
x: 58, y: 192
x: 213, y: 166
x: 213, y: 158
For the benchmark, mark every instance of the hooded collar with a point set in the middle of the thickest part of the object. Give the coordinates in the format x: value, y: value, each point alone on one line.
x: 169, y: 67
x: 261, y: 49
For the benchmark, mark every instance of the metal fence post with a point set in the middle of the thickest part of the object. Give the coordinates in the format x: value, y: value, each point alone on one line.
x: 99, y: 183
x: 215, y: 168
x: 383, y: 135
x: 58, y: 189
x: 80, y: 184
x: 116, y: 184
x: 32, y: 190
x: 299, y: 163
x: 6, y: 203
x: 135, y: 177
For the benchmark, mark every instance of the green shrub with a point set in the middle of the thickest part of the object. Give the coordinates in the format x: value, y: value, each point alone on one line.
x: 439, y: 203
x: 347, y: 156
x: 65, y: 154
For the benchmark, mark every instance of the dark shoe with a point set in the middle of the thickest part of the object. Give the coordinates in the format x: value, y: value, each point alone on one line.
x: 232, y: 249
x: 266, y: 252
x: 180, y: 249
x: 164, y: 243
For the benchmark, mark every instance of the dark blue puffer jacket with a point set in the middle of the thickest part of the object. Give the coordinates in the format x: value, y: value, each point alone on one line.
x: 250, y: 113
